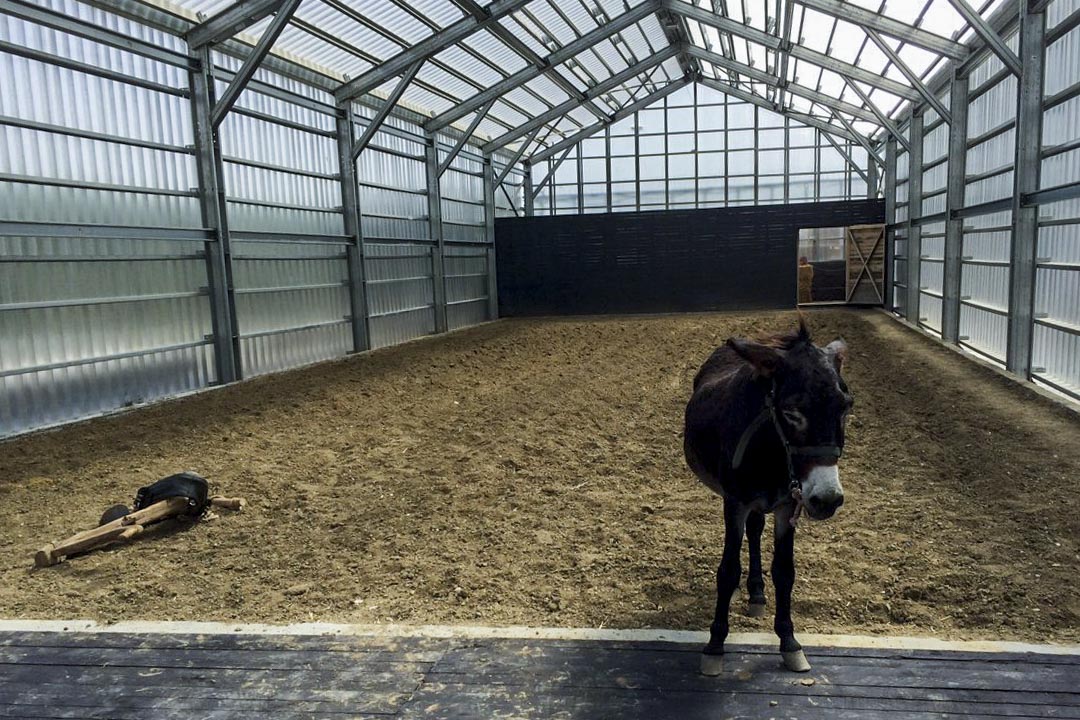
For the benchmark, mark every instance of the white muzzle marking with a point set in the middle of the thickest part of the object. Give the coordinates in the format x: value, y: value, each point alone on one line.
x: 822, y: 486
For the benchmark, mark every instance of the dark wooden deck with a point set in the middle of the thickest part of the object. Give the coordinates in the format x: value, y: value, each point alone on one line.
x: 110, y: 675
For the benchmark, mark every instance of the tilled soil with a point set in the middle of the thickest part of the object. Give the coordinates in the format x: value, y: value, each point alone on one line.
x: 531, y: 472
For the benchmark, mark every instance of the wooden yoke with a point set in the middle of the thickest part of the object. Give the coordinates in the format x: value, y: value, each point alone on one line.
x: 123, y: 529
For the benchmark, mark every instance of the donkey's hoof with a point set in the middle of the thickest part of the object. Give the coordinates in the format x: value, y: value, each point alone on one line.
x: 712, y: 665
x: 795, y: 661
x: 756, y: 609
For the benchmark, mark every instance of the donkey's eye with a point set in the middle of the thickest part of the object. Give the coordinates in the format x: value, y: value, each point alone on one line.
x: 796, y: 419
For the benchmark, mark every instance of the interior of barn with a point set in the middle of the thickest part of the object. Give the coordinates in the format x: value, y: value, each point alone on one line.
x: 419, y: 289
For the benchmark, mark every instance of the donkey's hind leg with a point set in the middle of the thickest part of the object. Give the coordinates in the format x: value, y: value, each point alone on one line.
x: 727, y: 579
x: 755, y: 582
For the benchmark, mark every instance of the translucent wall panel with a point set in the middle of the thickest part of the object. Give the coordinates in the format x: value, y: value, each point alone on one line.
x: 102, y: 273
x: 700, y: 148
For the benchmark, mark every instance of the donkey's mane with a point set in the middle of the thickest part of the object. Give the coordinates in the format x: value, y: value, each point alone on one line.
x: 787, y: 340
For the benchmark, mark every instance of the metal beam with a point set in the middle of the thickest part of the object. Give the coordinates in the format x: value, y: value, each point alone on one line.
x: 954, y: 199
x: 526, y: 191
x: 849, y: 12
x: 795, y: 50
x: 450, y: 35
x: 622, y: 113
x: 435, y: 230
x: 912, y: 77
x: 593, y: 92
x: 251, y: 63
x: 847, y: 156
x: 230, y: 21
x: 212, y: 204
x: 890, y: 222
x: 385, y: 109
x: 551, y: 173
x: 773, y: 81
x: 558, y: 57
x: 861, y: 139
x: 809, y: 120
x: 480, y: 114
x: 354, y: 253
x: 991, y: 38
x: 883, y: 119
x: 1025, y: 235
x: 914, y: 229
x: 517, y: 156
x: 489, y: 235
x: 518, y: 46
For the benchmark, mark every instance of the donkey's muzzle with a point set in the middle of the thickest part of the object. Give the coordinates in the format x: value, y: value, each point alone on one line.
x: 822, y: 492
x: 824, y: 505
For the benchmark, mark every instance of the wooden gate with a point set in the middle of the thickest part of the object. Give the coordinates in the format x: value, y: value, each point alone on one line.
x: 865, y: 264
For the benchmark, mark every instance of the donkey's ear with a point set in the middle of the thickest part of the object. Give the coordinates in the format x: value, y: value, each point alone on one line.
x: 765, y: 359
x: 836, y: 351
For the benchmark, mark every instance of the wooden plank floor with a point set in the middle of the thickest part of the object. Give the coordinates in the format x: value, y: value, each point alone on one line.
x: 112, y: 675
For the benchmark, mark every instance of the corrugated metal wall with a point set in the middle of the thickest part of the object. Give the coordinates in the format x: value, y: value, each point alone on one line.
x: 988, y: 226
x: 1056, y: 341
x: 104, y: 299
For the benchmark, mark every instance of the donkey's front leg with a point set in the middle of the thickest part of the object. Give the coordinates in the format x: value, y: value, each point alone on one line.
x: 755, y: 582
x: 783, y: 574
x: 727, y: 579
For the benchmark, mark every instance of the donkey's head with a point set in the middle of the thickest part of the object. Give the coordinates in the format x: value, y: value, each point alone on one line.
x: 811, y: 403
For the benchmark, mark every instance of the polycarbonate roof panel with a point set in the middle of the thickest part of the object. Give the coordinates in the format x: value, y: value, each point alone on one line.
x: 353, y: 37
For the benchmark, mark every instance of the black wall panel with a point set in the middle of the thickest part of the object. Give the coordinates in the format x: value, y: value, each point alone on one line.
x: 740, y: 258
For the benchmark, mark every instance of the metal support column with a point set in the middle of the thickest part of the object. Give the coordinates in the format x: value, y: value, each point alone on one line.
x: 354, y: 252
x: 637, y: 163
x: 954, y: 200
x: 580, y: 180
x: 890, y: 221
x: 527, y: 190
x: 489, y: 237
x: 787, y: 160
x: 872, y: 178
x: 435, y: 229
x: 607, y: 165
x: 214, y: 216
x: 915, y: 200
x: 1027, y: 175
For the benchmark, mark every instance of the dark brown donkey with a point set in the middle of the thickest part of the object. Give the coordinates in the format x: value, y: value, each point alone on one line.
x: 765, y: 429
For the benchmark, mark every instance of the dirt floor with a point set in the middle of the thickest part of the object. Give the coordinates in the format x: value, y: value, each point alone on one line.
x: 531, y: 472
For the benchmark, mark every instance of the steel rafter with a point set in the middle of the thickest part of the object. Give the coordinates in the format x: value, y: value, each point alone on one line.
x: 384, y: 110
x: 593, y: 92
x: 794, y: 88
x: 913, y: 78
x: 991, y: 38
x: 252, y: 62
x: 796, y: 51
x: 429, y: 46
x: 864, y: 18
x: 480, y: 115
x: 500, y: 31
x: 230, y: 21
x: 622, y: 113
x: 883, y: 119
x: 555, y: 58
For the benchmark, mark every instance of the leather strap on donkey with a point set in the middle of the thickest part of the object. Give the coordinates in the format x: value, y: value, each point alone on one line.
x: 186, y: 485
x: 790, y: 451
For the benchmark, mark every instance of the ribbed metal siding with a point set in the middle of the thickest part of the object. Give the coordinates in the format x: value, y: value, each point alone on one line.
x: 93, y: 324
x: 1056, y: 337
x: 292, y: 300
x: 401, y: 299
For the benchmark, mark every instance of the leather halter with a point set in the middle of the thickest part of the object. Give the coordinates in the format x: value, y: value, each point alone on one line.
x: 790, y: 451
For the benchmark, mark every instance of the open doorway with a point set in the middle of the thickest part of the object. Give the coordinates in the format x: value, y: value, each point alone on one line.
x: 822, y: 265
x: 841, y: 265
